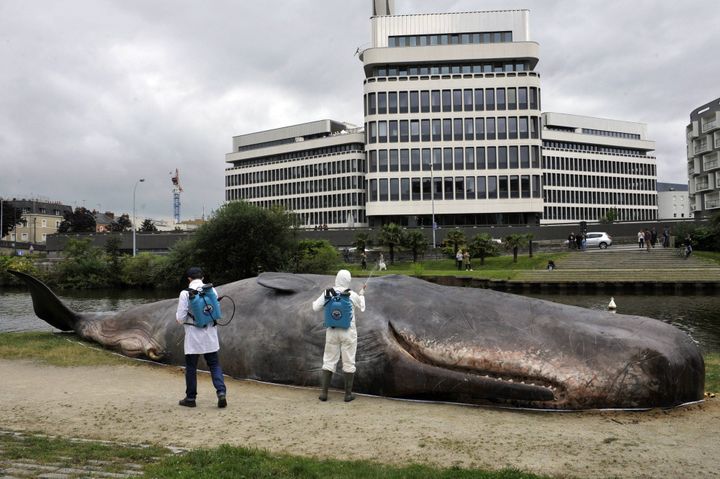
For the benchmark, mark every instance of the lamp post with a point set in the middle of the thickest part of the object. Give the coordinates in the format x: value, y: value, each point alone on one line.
x: 432, y: 199
x: 133, y: 222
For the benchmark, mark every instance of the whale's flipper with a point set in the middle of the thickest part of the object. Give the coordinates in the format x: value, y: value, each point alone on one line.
x: 48, y: 307
x: 285, y: 282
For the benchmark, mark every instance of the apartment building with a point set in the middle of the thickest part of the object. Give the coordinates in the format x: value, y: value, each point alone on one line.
x: 703, y: 159
x: 40, y: 219
x: 673, y: 201
x: 315, y: 170
x: 593, y: 165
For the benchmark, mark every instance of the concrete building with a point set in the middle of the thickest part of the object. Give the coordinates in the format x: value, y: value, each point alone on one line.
x: 40, y: 219
x: 452, y: 119
x: 315, y: 170
x: 592, y: 165
x: 703, y: 156
x: 673, y: 201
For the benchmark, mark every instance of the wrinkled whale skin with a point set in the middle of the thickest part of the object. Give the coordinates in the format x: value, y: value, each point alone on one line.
x: 421, y: 340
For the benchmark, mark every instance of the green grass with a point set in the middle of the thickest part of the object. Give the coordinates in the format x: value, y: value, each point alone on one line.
x: 233, y: 462
x: 713, y: 256
x: 495, y: 267
x: 56, y: 350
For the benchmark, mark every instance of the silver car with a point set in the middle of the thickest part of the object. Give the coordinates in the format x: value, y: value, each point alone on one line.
x: 599, y: 239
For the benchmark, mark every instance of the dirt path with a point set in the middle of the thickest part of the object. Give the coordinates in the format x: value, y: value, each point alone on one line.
x: 138, y: 404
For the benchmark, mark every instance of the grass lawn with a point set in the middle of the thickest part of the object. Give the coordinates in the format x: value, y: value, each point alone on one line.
x: 495, y: 267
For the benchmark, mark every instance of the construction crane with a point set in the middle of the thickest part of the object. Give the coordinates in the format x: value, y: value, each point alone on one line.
x: 177, y: 189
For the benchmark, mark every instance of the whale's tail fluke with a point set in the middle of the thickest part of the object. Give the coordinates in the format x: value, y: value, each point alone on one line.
x: 48, y: 307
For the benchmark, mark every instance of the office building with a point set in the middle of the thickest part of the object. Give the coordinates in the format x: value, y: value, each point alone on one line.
x: 452, y: 119
x: 703, y: 157
x: 594, y: 165
x: 315, y: 170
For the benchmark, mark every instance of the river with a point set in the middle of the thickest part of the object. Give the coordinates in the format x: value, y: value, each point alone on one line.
x: 696, y: 314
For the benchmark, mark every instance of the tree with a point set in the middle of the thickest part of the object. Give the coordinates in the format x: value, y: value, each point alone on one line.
x: 242, y: 240
x: 529, y: 238
x: 112, y: 249
x: 362, y: 241
x: 610, y: 216
x: 416, y: 242
x: 148, y: 226
x: 11, y: 217
x: 514, y: 242
x: 81, y: 220
x: 391, y: 235
x: 122, y: 223
x: 482, y: 246
x: 456, y: 238
x: 315, y: 256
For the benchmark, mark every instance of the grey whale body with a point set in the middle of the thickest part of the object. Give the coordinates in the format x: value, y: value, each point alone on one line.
x: 421, y: 340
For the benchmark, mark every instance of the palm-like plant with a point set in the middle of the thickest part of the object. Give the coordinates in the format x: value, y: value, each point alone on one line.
x: 455, y: 238
x: 416, y: 242
x: 362, y: 241
x: 391, y: 235
x: 481, y: 246
x: 514, y: 242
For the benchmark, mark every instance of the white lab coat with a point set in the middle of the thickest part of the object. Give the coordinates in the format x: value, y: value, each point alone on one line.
x: 341, y: 342
x: 197, y: 340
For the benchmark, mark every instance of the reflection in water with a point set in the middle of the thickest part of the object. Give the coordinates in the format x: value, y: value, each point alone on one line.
x: 16, y: 310
x: 698, y: 315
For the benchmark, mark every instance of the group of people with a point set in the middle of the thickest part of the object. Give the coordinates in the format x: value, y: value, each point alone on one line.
x: 203, y: 340
x: 577, y: 241
x: 648, y: 238
x: 462, y: 260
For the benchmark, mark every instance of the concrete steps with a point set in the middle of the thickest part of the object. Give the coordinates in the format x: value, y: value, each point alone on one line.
x: 627, y: 265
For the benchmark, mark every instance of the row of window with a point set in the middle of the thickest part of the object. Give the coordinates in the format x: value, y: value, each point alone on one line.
x: 454, y: 188
x: 448, y: 159
x: 587, y: 165
x: 453, y: 129
x: 602, y: 182
x: 468, y: 99
x: 615, y: 134
x: 354, y: 201
x: 586, y: 148
x: 297, y: 172
x: 449, y: 69
x: 449, y: 39
x: 599, y: 197
x: 248, y: 191
x: 574, y: 213
x: 301, y: 155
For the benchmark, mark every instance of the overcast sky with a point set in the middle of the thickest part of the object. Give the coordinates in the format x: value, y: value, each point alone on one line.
x: 95, y: 94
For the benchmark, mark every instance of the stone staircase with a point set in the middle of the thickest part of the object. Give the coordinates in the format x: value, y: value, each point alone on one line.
x: 626, y: 265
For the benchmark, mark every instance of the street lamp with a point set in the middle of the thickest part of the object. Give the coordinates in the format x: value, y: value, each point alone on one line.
x: 133, y: 222
x: 432, y: 199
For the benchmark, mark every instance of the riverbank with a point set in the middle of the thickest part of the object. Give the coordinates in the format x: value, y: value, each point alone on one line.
x: 138, y: 404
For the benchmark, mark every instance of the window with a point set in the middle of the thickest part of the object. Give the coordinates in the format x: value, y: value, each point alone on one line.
x: 490, y: 129
x: 512, y: 99
x: 405, y: 189
x: 470, y: 187
x: 414, y: 130
x: 414, y: 160
x: 523, y: 98
x: 382, y: 132
x: 459, y: 188
x: 426, y: 188
x: 502, y: 128
x: 393, y: 160
x: 447, y: 129
x: 492, y: 187
x: 458, y: 129
x: 425, y: 101
x: 393, y: 127
x: 425, y: 159
x: 392, y: 102
x: 513, y: 163
x: 383, y: 160
x: 459, y: 160
x: 491, y: 157
x: 435, y: 100
x: 523, y: 127
x: 468, y: 100
x: 446, y: 101
x: 489, y: 98
x: 470, y: 158
x: 403, y: 102
x: 425, y: 130
x: 480, y: 157
x: 500, y: 97
x: 415, y: 189
x: 479, y: 99
x: 469, y: 129
x: 414, y: 102
x: 512, y: 128
x: 449, y: 187
x: 447, y: 159
x: 503, y: 187
x: 457, y: 100
x: 404, y: 131
x: 372, y: 108
x: 514, y: 186
x: 481, y: 188
x: 436, y: 130
x: 394, y: 189
x: 382, y: 103
x: 480, y: 128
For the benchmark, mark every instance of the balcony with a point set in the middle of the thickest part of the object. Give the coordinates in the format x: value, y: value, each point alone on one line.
x: 712, y: 203
x: 702, y: 147
x: 711, y: 163
x: 711, y: 125
x: 702, y: 185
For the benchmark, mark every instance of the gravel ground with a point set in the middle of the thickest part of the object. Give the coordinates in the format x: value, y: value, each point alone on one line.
x: 138, y: 404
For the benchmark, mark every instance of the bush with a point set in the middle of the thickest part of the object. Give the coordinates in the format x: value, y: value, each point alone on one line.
x: 15, y: 263
x: 141, y: 271
x: 316, y: 256
x: 84, y: 266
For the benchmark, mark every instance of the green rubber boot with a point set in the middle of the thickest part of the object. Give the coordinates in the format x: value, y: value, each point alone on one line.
x: 348, y: 387
x: 325, y: 383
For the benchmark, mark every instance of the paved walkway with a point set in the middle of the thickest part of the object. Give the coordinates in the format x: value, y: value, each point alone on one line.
x: 58, y: 467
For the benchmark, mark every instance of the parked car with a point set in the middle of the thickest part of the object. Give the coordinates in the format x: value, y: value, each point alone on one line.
x: 596, y: 239
x: 599, y: 239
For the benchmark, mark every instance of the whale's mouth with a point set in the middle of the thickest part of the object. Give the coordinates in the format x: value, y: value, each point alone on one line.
x: 515, y: 382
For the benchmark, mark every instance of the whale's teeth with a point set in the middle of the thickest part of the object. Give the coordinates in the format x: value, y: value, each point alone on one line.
x: 510, y: 380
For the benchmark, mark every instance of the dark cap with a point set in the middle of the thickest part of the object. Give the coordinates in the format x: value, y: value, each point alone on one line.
x: 195, y: 273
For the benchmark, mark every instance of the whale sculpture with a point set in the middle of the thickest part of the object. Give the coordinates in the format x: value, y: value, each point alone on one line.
x: 424, y: 341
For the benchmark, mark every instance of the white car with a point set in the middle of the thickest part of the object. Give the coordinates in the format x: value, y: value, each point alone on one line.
x: 599, y: 239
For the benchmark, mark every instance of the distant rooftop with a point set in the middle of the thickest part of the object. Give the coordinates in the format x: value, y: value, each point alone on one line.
x: 663, y: 187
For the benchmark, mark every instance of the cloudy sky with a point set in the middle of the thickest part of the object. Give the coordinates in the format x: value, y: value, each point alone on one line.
x: 95, y: 94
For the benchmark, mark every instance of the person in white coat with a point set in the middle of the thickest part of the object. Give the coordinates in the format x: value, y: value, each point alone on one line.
x: 199, y: 341
x: 338, y: 341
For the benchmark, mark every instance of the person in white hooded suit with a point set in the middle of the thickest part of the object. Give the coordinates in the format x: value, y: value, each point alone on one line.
x: 340, y: 342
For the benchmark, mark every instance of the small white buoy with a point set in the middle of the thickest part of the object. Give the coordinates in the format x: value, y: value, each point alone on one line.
x: 612, y: 305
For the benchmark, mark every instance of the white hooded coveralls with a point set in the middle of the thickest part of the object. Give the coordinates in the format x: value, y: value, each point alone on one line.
x: 341, y: 341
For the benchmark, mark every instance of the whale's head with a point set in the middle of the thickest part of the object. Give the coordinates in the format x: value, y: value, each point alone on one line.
x: 480, y: 346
